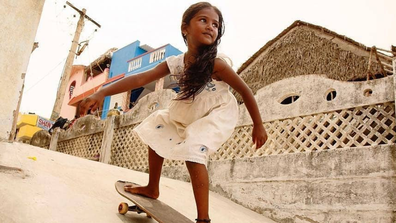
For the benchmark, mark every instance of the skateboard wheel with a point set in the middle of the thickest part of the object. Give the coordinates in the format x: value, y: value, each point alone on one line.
x: 147, y: 215
x: 123, y: 208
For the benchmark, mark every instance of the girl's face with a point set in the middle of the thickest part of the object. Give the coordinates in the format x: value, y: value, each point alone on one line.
x: 203, y: 28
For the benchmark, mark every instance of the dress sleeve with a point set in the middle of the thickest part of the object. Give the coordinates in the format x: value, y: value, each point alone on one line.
x: 173, y: 62
x: 225, y: 58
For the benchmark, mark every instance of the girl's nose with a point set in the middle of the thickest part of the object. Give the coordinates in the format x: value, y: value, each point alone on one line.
x: 209, y: 27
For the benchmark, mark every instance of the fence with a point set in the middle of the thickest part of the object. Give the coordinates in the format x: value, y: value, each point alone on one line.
x: 352, y: 118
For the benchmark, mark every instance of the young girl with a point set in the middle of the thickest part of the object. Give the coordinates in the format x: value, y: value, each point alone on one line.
x: 204, y: 113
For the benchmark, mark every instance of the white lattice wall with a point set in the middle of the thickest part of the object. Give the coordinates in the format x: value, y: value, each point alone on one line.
x: 87, y: 146
x: 128, y: 150
x: 361, y: 126
x: 352, y: 119
x: 356, y: 127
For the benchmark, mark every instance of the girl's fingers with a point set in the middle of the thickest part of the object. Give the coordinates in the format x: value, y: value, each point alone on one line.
x: 255, y: 141
x: 94, y: 107
x: 258, y: 145
x: 84, y: 106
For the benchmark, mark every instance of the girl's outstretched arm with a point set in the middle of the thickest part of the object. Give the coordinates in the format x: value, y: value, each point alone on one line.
x: 94, y: 101
x: 224, y: 72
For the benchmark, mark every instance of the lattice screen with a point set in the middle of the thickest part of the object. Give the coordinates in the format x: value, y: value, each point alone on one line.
x: 360, y: 126
x: 128, y: 151
x: 85, y: 146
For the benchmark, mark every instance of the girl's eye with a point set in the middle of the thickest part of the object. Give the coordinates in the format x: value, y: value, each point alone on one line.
x: 215, y: 25
x: 202, y: 20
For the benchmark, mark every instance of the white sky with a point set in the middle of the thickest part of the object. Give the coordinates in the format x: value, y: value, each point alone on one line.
x: 250, y: 24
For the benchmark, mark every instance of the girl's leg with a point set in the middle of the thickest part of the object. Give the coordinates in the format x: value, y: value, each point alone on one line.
x: 155, y: 167
x: 200, y: 183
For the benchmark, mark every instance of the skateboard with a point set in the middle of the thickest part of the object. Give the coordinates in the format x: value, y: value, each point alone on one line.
x: 153, y: 208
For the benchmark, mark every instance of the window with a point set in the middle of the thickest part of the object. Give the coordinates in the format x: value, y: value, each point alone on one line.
x: 71, y: 89
x: 135, y: 64
x: 331, y: 95
x: 289, y: 99
x: 157, y: 55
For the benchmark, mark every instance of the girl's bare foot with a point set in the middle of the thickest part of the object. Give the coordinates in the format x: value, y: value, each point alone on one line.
x: 144, y: 191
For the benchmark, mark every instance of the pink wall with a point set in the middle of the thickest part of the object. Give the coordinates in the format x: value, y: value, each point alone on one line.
x: 77, y: 75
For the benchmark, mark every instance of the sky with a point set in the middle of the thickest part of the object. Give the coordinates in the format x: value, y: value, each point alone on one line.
x: 249, y: 25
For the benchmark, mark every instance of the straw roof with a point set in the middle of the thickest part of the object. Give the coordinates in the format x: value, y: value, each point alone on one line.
x: 303, y: 49
x: 106, y: 56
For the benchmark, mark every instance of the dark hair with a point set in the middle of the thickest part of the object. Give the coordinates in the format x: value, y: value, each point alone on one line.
x: 199, y: 73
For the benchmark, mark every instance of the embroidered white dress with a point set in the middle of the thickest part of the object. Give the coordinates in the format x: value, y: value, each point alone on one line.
x: 191, y: 130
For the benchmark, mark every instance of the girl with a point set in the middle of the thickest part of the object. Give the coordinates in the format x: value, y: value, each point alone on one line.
x: 204, y: 113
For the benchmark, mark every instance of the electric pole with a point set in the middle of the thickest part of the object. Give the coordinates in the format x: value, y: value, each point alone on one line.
x: 69, y: 61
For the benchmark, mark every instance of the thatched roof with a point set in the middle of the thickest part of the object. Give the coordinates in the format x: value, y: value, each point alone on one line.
x: 106, y: 56
x: 303, y: 49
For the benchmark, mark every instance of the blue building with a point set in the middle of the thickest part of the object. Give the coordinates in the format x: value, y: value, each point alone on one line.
x: 132, y: 59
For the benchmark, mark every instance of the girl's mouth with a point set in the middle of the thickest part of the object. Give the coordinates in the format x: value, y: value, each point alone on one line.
x: 208, y: 34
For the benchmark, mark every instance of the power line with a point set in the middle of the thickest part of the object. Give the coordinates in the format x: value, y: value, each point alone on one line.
x: 46, y: 75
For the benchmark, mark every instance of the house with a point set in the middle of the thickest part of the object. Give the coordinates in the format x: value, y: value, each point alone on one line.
x: 84, y: 81
x: 114, y: 65
x: 303, y: 49
x: 130, y: 60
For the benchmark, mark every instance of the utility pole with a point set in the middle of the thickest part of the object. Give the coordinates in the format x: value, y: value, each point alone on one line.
x: 69, y: 61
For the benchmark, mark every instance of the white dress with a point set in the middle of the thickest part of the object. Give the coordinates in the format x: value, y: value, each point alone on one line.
x: 191, y: 130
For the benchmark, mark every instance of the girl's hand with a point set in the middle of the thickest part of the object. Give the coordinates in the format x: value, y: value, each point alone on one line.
x: 259, y: 135
x: 92, y: 103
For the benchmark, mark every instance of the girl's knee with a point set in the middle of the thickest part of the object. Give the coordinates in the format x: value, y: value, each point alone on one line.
x: 190, y: 164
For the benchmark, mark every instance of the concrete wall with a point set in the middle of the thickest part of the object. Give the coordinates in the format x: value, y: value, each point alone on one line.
x: 347, y: 185
x: 18, y: 29
x: 333, y: 185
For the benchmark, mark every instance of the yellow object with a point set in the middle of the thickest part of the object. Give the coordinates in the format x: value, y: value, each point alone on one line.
x: 29, y: 124
x: 26, y: 132
x: 32, y: 158
x: 26, y: 119
x: 113, y: 112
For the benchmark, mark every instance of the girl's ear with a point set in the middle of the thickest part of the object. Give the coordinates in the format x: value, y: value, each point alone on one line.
x: 184, y: 29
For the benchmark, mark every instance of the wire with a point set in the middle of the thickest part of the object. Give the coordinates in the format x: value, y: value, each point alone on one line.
x: 55, y: 7
x: 46, y: 75
x: 92, y: 35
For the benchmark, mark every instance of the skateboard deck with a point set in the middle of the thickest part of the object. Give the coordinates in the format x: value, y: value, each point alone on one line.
x: 156, y: 209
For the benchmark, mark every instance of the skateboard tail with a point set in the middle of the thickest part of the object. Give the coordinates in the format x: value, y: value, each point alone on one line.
x: 158, y: 210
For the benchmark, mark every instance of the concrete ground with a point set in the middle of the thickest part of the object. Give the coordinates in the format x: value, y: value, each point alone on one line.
x: 40, y: 186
